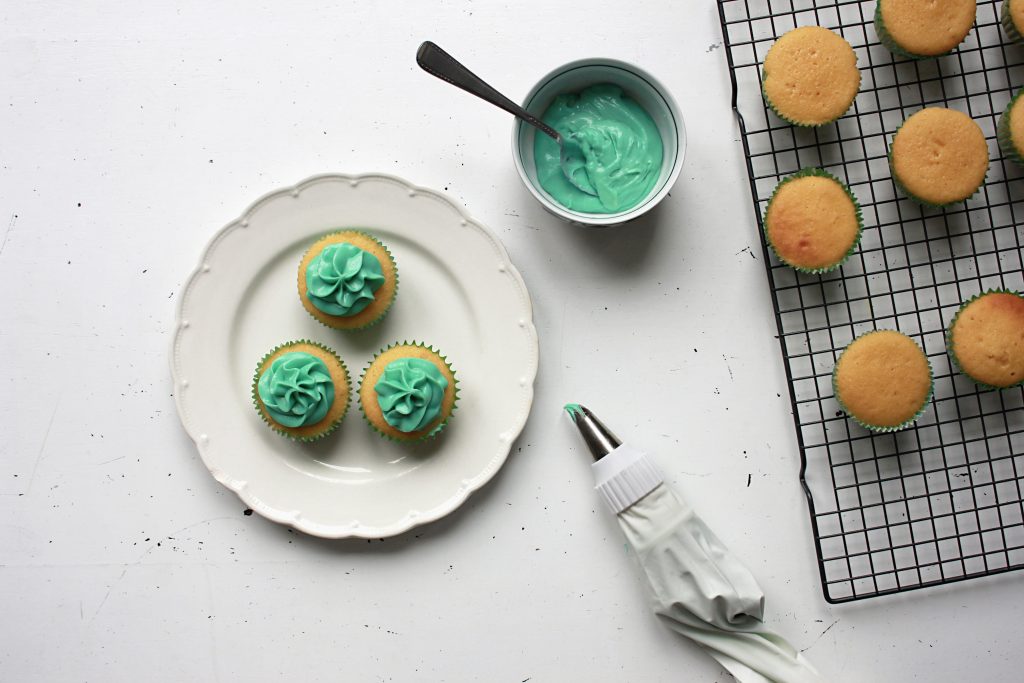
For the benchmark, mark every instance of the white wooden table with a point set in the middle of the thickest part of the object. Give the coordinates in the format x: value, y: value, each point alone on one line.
x: 130, y: 132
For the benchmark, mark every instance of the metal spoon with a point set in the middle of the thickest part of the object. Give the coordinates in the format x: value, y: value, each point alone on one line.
x: 437, y: 62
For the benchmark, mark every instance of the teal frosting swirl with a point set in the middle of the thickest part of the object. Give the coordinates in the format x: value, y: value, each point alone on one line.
x: 296, y: 389
x: 342, y: 279
x: 410, y: 392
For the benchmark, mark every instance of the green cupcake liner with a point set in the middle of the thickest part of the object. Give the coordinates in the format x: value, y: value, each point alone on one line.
x: 274, y: 425
x: 1003, y: 135
x: 440, y: 425
x: 821, y: 173
x: 910, y: 195
x: 875, y: 428
x: 892, y: 45
x: 1008, y: 26
x: 394, y: 266
x: 951, y: 350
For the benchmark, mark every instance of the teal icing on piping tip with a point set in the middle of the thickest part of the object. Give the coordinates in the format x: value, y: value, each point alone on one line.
x: 573, y: 409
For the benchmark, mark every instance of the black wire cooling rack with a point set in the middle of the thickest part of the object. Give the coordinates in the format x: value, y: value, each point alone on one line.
x: 941, y: 501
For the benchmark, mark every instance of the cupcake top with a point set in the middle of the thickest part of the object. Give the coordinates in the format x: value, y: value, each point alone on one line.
x: 927, y: 28
x: 811, y: 76
x: 1015, y: 120
x: 1014, y: 11
x: 347, y: 280
x: 812, y: 221
x: 939, y: 156
x: 342, y: 279
x: 300, y: 389
x: 883, y: 380
x: 986, y: 339
x: 296, y: 390
x: 408, y: 392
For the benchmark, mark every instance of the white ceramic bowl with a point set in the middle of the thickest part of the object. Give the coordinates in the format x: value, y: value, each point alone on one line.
x: 639, y: 85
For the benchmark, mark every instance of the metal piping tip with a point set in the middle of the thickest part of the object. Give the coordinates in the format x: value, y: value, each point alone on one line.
x: 599, y: 439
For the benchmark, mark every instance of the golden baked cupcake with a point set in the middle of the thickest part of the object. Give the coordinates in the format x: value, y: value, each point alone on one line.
x: 923, y: 28
x: 883, y: 380
x: 301, y: 390
x: 347, y: 280
x: 408, y: 392
x: 986, y: 339
x: 939, y: 157
x: 813, y: 221
x: 1012, y: 16
x: 1010, y: 131
x: 810, y: 76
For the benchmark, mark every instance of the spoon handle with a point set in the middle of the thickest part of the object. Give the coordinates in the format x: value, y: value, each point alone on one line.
x: 437, y: 62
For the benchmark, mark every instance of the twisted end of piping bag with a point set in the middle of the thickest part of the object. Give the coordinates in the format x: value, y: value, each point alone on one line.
x: 599, y: 439
x: 700, y: 589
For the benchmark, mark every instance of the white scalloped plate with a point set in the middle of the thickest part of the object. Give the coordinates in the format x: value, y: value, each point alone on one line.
x: 458, y: 291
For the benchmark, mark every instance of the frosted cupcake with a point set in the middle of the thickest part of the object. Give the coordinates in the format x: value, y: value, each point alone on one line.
x: 883, y: 380
x: 408, y: 392
x: 813, y: 221
x: 1012, y: 16
x: 1010, y: 131
x: 810, y: 76
x: 923, y: 28
x: 986, y: 339
x: 348, y: 280
x: 939, y: 157
x: 301, y: 390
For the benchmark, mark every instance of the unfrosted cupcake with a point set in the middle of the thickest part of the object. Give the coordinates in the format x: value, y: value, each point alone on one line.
x: 812, y: 221
x: 923, y: 28
x: 986, y: 339
x: 347, y: 280
x: 810, y: 76
x: 883, y: 380
x: 939, y: 157
x: 408, y: 392
x: 1010, y: 131
x: 301, y: 390
x: 1012, y: 16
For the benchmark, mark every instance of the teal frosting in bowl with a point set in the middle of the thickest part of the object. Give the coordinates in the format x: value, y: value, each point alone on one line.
x: 297, y: 389
x: 620, y: 143
x: 410, y: 392
x: 342, y: 279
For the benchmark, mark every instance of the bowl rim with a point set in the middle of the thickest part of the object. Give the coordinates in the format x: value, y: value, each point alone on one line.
x: 596, y: 219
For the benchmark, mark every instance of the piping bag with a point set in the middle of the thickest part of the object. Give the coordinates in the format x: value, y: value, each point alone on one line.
x: 697, y: 587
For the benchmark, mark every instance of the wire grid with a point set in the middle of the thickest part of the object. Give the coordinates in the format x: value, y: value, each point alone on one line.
x: 940, y: 501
